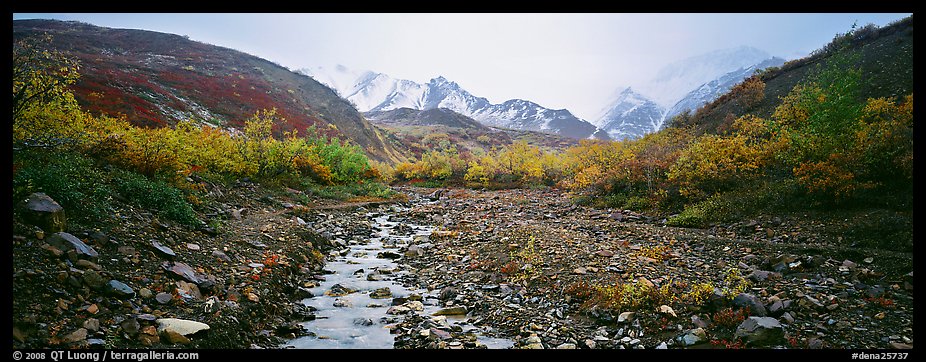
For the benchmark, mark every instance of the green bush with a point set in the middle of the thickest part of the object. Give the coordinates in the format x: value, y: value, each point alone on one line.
x: 68, y: 178
x: 155, y: 194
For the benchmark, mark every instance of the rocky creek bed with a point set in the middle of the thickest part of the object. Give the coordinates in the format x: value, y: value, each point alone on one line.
x: 448, y: 268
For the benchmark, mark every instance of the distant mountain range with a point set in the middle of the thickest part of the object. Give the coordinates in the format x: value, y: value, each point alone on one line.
x: 375, y: 92
x: 683, y: 85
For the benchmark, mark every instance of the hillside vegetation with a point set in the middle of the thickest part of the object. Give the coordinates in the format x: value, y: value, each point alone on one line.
x: 830, y: 132
x: 157, y: 80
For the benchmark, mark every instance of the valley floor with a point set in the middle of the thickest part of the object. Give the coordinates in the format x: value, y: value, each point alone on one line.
x: 523, y: 263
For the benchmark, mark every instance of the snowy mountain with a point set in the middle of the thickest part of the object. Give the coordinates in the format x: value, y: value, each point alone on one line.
x: 631, y: 115
x: 711, y: 90
x: 375, y: 92
x: 676, y: 79
x: 685, y: 84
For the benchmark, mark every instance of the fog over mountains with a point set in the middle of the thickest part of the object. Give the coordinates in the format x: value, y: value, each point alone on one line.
x: 632, y: 112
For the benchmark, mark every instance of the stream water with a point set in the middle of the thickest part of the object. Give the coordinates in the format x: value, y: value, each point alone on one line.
x: 357, y: 320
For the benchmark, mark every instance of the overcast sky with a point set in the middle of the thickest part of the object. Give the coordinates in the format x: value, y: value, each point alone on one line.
x: 572, y: 61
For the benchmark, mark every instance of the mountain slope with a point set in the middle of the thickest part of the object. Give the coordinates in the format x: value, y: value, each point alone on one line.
x: 156, y: 79
x: 685, y: 84
x: 429, y: 117
x: 884, y: 55
x: 372, y: 92
x: 676, y: 79
x: 711, y: 90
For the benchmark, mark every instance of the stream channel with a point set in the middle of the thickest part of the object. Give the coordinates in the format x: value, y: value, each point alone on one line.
x: 357, y: 320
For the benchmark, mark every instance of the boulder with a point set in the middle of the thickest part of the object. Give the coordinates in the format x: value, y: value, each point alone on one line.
x: 746, y: 300
x: 69, y: 243
x: 761, y: 331
x: 42, y: 211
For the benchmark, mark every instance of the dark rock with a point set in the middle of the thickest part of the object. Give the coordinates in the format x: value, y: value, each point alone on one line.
x: 126, y: 250
x: 761, y: 331
x: 119, y: 289
x: 185, y: 272
x: 363, y: 322
x: 339, y: 290
x: 291, y: 328
x: 875, y: 291
x: 93, y: 279
x: 42, y: 211
x: 746, y: 300
x: 99, y: 238
x: 447, y: 293
x: 381, y: 293
x: 762, y: 275
x: 388, y: 255
x: 163, y: 250
x: 67, y: 243
x: 303, y: 293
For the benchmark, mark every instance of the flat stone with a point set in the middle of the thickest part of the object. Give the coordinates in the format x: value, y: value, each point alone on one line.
x: 761, y: 331
x: 605, y: 253
x: 86, y: 264
x: 185, y: 272
x: 459, y: 310
x: 183, y: 327
x: 625, y: 317
x: 119, y: 289
x: 67, y: 242
x: 342, y: 303
x: 192, y: 246
x: 566, y: 346
x: 163, y: 298
x: 75, y: 336
x: 163, y: 250
x: 221, y: 255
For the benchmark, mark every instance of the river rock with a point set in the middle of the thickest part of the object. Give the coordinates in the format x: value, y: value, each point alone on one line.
x: 339, y: 290
x: 163, y: 298
x: 69, y: 243
x: 93, y: 279
x: 42, y: 211
x: 119, y: 289
x: 342, y: 303
x: 761, y: 331
x: 451, y: 311
x: 625, y: 317
x: 181, y: 326
x: 381, y: 293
